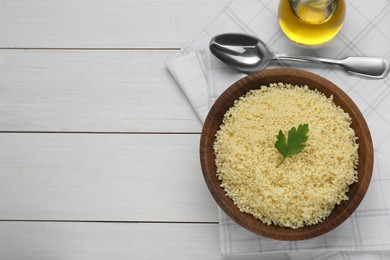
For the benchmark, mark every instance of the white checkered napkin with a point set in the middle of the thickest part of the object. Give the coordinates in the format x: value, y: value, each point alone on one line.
x: 358, y: 255
x: 366, y: 32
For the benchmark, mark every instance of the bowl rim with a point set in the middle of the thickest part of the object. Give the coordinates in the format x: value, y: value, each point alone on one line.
x: 207, y: 157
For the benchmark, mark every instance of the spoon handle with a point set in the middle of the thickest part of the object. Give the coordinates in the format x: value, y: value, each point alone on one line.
x: 365, y: 66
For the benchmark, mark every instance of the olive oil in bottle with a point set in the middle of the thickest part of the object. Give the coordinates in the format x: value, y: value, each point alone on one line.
x: 311, y: 22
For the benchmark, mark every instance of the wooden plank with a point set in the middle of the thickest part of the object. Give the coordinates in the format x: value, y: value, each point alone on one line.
x: 116, y: 241
x: 97, y: 91
x: 100, y: 177
x: 104, y: 23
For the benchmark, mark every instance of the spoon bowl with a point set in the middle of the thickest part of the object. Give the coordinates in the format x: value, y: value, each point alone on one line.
x: 243, y: 52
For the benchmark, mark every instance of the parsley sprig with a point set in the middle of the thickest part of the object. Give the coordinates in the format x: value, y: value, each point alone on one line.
x: 295, y: 142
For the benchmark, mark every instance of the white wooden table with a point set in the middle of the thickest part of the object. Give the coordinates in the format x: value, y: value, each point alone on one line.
x: 98, y: 145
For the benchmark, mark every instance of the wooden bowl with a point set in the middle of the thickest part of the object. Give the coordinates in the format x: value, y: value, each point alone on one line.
x: 296, y: 77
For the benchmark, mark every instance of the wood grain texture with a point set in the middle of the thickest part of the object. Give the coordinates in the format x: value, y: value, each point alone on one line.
x: 104, y: 23
x: 91, y: 91
x: 101, y: 177
x: 296, y: 77
x: 116, y: 241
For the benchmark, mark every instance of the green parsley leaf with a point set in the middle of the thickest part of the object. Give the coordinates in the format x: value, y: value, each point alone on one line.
x: 295, y: 142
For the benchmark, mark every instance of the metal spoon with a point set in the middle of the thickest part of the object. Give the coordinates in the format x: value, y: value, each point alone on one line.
x: 249, y: 54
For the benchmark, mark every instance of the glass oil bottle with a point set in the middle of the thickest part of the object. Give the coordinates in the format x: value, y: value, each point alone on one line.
x: 311, y: 22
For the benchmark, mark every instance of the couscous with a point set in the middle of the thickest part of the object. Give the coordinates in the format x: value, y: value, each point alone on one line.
x: 305, y: 188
